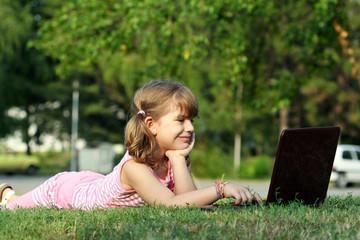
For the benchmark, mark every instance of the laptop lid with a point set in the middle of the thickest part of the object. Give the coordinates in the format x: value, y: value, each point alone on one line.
x: 303, y: 165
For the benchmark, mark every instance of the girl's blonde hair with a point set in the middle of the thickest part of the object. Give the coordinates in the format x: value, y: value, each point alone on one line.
x: 155, y: 99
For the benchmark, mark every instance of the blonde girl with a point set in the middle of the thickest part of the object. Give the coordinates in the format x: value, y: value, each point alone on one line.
x: 154, y: 170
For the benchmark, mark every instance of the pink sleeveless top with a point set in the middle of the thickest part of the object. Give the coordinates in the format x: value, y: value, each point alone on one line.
x: 88, y: 190
x: 109, y: 192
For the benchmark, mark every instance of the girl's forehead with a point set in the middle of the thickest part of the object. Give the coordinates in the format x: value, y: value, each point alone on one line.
x: 175, y: 109
x: 180, y: 109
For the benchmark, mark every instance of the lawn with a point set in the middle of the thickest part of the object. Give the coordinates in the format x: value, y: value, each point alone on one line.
x: 337, y: 218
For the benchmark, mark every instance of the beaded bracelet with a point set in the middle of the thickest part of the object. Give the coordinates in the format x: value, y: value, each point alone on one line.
x: 219, y: 187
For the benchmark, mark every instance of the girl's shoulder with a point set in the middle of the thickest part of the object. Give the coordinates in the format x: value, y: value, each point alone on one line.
x: 128, y: 163
x: 126, y: 158
x: 134, y: 173
x: 131, y: 164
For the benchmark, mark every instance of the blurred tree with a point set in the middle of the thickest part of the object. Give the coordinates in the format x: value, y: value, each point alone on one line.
x: 327, y: 89
x: 29, y: 84
x: 251, y: 63
x: 132, y: 43
x: 14, y: 27
x: 23, y: 71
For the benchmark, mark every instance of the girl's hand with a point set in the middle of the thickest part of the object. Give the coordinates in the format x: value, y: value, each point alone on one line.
x: 174, y: 155
x: 241, y: 194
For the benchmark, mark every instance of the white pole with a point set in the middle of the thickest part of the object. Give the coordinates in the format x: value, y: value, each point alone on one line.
x: 237, y: 140
x: 74, y: 126
x: 237, y: 153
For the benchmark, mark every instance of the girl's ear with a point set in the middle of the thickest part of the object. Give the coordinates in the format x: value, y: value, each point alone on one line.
x: 150, y: 123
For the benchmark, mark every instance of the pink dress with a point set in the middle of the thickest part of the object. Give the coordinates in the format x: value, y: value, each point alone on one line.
x: 86, y: 190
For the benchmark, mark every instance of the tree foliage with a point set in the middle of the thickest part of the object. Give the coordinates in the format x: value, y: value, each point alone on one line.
x: 250, y: 63
x: 24, y: 71
x: 247, y: 57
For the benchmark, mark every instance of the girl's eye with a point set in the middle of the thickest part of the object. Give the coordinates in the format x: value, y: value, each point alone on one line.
x: 183, y: 120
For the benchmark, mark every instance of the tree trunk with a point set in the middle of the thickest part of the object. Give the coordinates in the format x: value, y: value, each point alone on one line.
x: 284, y: 118
x: 237, y: 152
x: 237, y: 140
x: 26, y: 131
x: 74, y: 126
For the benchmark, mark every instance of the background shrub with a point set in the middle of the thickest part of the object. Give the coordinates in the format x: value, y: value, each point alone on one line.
x: 52, y: 162
x: 206, y: 162
x: 257, y: 167
x: 210, y: 162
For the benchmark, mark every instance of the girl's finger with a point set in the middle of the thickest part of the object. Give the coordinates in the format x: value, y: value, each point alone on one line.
x: 245, y: 197
x: 258, y: 198
x: 238, y: 198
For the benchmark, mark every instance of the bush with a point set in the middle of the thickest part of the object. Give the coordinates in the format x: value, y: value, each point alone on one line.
x: 206, y: 162
x: 210, y: 162
x: 256, y: 167
x: 52, y: 162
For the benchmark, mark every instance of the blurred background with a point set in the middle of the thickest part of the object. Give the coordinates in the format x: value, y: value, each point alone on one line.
x: 69, y: 70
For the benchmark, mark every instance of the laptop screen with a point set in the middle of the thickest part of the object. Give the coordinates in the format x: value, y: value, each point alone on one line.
x: 303, y: 165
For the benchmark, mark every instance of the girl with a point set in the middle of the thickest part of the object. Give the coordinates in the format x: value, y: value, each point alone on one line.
x: 154, y: 171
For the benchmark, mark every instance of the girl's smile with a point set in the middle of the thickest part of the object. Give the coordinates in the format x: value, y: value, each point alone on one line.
x: 186, y: 138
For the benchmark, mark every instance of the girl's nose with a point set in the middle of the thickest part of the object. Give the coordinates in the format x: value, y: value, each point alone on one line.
x: 189, y: 127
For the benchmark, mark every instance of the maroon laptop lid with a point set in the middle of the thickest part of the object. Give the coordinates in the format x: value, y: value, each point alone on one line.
x: 303, y: 165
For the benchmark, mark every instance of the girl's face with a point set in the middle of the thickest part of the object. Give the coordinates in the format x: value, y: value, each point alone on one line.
x: 173, y: 131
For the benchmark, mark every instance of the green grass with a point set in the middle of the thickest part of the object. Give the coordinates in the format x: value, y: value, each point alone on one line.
x: 337, y: 218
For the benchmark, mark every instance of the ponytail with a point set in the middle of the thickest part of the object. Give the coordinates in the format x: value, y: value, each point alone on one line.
x: 140, y: 142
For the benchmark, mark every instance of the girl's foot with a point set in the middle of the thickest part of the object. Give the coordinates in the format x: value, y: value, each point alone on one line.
x: 6, y: 194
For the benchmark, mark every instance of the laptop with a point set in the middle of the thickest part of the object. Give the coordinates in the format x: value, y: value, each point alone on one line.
x: 302, y: 166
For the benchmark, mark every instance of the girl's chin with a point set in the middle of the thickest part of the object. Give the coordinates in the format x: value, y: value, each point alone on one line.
x: 184, y: 146
x: 180, y: 147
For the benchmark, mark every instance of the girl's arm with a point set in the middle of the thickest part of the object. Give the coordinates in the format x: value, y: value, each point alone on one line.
x: 138, y: 176
x: 182, y: 176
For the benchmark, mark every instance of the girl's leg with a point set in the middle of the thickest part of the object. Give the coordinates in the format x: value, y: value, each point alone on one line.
x: 24, y: 201
x: 42, y: 196
x: 10, y: 200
